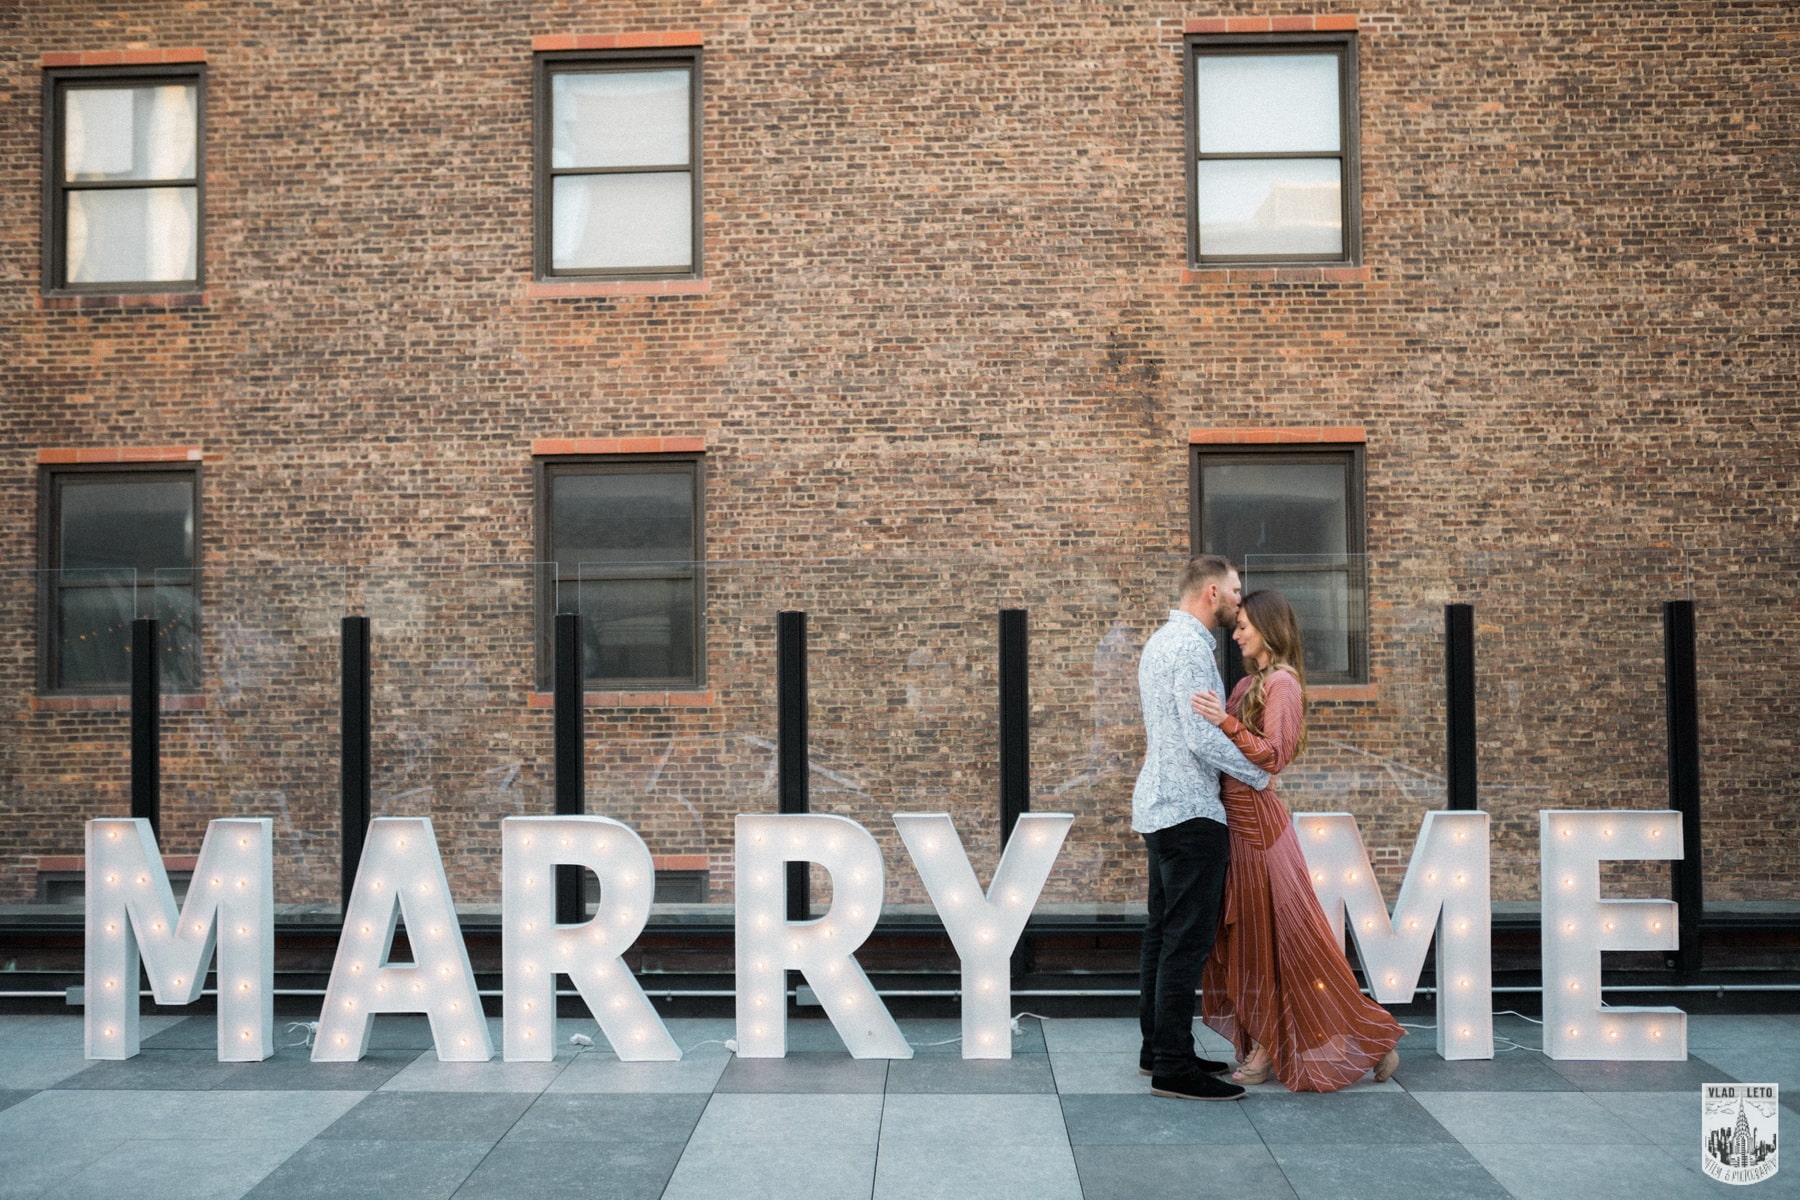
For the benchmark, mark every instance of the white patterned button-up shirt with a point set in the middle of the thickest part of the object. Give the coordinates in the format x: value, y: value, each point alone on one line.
x: 1184, y: 752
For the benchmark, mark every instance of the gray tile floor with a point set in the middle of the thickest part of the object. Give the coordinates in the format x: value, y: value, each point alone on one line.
x: 1067, y: 1116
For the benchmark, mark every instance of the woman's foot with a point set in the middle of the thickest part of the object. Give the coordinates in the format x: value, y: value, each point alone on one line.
x: 1390, y: 1062
x: 1255, y: 1069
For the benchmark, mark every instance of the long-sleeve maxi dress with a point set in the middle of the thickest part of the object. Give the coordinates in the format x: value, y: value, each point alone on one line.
x: 1277, y: 978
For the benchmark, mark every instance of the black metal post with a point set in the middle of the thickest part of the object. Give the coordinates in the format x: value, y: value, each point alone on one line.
x: 791, y: 743
x: 1459, y: 706
x: 1681, y: 686
x: 354, y: 771
x: 1015, y: 719
x: 146, y: 725
x: 1015, y: 742
x: 571, y: 781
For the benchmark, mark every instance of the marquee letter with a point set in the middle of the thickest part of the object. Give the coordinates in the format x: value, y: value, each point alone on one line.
x: 230, y: 903
x: 401, y: 876
x: 536, y: 948
x: 1577, y: 925
x: 769, y: 945
x: 984, y: 928
x: 1445, y: 892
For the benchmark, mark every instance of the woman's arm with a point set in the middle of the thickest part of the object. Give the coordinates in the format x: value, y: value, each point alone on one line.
x: 1282, y: 715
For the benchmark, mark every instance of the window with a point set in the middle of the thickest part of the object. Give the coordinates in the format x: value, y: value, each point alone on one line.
x: 618, y: 165
x: 1293, y: 519
x: 116, y: 545
x: 622, y: 537
x: 122, y: 184
x: 1272, y: 150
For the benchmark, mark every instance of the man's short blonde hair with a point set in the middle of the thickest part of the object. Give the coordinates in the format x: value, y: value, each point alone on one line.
x: 1203, y: 569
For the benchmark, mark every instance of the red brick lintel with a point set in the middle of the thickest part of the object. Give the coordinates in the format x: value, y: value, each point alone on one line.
x: 616, y: 41
x: 136, y: 57
x: 1327, y: 23
x: 619, y: 445
x: 59, y: 456
x: 630, y: 700
x: 78, y: 862
x: 1292, y: 435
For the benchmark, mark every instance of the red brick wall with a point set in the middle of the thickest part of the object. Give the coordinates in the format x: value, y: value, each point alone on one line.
x: 946, y: 341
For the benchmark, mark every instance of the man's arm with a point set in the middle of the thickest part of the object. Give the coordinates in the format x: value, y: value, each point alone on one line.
x: 1204, y: 739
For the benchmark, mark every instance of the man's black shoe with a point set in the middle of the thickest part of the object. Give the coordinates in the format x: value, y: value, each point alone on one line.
x: 1194, y: 1085
x: 1147, y: 1065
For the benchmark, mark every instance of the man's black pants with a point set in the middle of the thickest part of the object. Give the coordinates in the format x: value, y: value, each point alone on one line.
x: 1187, y: 882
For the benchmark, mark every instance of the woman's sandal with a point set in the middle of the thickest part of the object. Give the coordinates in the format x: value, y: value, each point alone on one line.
x: 1249, y: 1075
x: 1390, y: 1062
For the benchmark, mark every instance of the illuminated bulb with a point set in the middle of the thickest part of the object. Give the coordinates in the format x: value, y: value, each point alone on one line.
x: 1656, y: 831
x: 112, y: 879
x: 1569, y: 925
x: 1463, y: 983
x: 1567, y: 831
x: 215, y: 881
x: 1467, y: 1031
x: 1319, y: 875
x: 367, y: 929
x: 243, y: 987
x: 1461, y: 878
x: 158, y: 926
x: 531, y: 881
x: 1606, y: 833
x: 111, y: 984
x: 1350, y: 875
x: 1431, y: 876
x: 1368, y: 924
x: 1656, y: 924
x: 1574, y: 986
x: 356, y: 968
x: 143, y: 879
x: 530, y: 925
x: 1391, y: 980
x: 1318, y: 831
x: 243, y: 883
x: 376, y: 885
x: 199, y: 928
x: 245, y: 1035
x: 1656, y: 1033
x: 111, y: 927
x: 341, y: 1039
x: 113, y: 834
x: 1319, y: 983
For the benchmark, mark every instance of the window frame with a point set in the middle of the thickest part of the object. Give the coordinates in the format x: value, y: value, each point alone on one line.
x: 1344, y: 45
x: 49, y: 657
x: 1355, y: 537
x: 547, y: 65
x: 58, y: 81
x: 545, y: 469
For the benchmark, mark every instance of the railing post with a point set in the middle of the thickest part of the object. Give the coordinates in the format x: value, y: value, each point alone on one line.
x: 570, y: 757
x: 1459, y: 707
x: 791, y: 743
x: 1015, y: 742
x: 146, y: 724
x: 354, y: 769
x: 1681, y: 688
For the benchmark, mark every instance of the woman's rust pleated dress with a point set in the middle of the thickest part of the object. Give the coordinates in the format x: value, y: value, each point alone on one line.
x: 1276, y: 977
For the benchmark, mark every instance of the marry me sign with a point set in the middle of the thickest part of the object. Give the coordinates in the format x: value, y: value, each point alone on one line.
x: 229, y: 916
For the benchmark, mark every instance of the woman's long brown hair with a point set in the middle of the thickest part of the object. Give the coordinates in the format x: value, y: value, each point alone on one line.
x: 1273, y: 617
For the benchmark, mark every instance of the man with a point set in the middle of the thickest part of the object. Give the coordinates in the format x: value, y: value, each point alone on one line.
x: 1176, y: 807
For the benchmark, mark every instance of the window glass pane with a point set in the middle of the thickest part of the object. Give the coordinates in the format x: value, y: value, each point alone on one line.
x: 94, y: 631
x: 129, y: 133
x: 619, y: 119
x: 603, y: 222
x: 1321, y: 600
x: 140, y: 525
x: 1267, y: 103
x: 622, y: 517
x: 637, y: 628
x: 1279, y: 206
x: 131, y: 235
x: 1249, y: 508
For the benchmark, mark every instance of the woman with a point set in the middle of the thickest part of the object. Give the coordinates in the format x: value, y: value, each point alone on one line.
x: 1277, y: 983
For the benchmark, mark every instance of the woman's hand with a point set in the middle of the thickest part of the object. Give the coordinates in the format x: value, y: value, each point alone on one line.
x: 1208, y: 706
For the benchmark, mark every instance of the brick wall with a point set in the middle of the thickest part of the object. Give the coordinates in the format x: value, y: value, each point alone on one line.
x: 946, y: 357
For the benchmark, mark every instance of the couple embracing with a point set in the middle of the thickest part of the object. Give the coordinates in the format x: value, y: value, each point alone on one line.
x: 1231, y: 905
